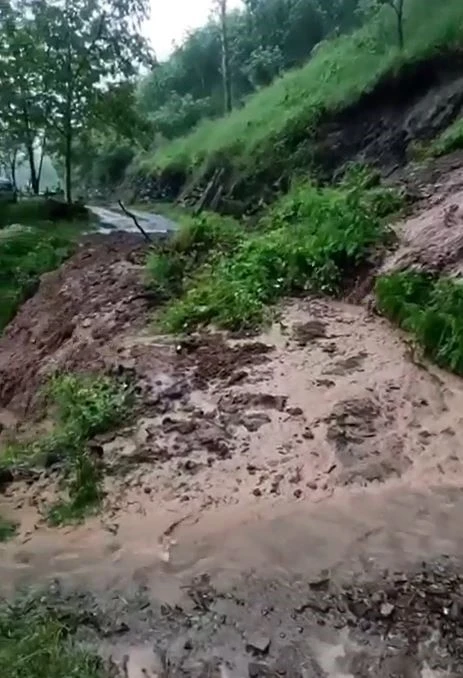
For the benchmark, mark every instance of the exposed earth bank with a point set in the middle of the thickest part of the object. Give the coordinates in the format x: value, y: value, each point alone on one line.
x: 264, y: 485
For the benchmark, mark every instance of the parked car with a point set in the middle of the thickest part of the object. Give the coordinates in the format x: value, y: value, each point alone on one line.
x: 7, y: 191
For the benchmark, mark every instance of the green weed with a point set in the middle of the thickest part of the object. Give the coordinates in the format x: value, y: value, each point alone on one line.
x: 199, y: 239
x: 430, y: 309
x: 7, y: 529
x: 25, y: 254
x: 450, y: 140
x: 311, y: 240
x: 82, y: 407
x: 37, y: 642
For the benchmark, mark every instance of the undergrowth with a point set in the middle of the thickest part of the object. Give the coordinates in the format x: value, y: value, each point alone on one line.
x: 199, y: 239
x: 36, y: 641
x: 258, y: 135
x: 311, y: 240
x: 7, y: 529
x: 81, y: 407
x: 25, y: 254
x: 431, y: 309
x: 450, y: 140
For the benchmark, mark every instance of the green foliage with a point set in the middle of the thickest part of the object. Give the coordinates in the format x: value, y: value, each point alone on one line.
x: 25, y: 254
x: 36, y: 641
x: 7, y: 529
x: 431, y: 309
x: 450, y: 140
x: 82, y: 406
x: 311, y: 240
x: 199, y: 239
x: 259, y: 134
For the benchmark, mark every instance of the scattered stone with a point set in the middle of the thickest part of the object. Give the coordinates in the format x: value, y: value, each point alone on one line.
x: 386, y: 609
x: 258, y: 643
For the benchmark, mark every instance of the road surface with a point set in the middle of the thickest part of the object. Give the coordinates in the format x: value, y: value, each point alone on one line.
x: 111, y: 219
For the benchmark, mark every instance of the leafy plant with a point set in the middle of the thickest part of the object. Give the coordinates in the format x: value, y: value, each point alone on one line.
x: 450, y: 140
x: 431, y: 309
x: 311, y: 240
x: 36, y: 641
x: 82, y: 406
x: 7, y: 529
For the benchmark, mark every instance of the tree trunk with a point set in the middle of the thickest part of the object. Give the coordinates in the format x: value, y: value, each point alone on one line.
x: 68, y: 165
x: 34, y: 178
x: 225, y: 57
x: 13, y: 168
x: 42, y: 152
x: 400, y: 24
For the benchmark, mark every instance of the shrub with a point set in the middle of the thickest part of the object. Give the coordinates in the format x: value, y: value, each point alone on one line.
x: 431, y: 309
x: 311, y: 240
x: 36, y: 641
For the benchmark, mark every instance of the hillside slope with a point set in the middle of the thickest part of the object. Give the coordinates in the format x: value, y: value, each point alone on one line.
x: 299, y: 123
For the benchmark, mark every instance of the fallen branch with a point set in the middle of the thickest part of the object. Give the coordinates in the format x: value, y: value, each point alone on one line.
x: 135, y: 220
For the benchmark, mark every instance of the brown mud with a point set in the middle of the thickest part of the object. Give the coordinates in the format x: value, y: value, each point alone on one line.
x: 268, y: 511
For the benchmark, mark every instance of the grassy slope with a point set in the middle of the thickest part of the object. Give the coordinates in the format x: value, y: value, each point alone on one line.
x: 340, y: 72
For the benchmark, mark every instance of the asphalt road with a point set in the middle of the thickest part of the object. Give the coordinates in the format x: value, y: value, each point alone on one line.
x: 112, y: 219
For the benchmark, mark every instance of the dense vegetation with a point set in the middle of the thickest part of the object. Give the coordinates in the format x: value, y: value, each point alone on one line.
x: 450, y: 140
x: 37, y: 640
x: 81, y: 406
x: 431, y: 309
x: 311, y: 240
x: 25, y: 254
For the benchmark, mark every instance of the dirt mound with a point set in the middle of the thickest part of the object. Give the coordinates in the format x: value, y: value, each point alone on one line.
x: 75, y: 314
x: 432, y: 238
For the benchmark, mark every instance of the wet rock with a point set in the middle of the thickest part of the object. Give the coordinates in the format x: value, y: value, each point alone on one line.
x: 386, y: 610
x: 257, y: 670
x: 258, y: 643
x: 295, y: 411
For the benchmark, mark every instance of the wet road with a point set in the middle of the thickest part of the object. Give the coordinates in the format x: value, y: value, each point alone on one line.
x: 111, y: 219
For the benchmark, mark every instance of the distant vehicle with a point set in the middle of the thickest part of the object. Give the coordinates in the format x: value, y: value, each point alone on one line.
x: 7, y: 192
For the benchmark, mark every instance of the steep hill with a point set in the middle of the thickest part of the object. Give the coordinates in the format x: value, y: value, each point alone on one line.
x: 357, y: 97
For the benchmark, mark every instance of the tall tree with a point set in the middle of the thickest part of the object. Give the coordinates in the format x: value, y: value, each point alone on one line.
x: 226, y: 75
x: 87, y: 43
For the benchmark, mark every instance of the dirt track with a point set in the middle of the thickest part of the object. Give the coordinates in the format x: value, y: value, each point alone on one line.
x: 253, y: 466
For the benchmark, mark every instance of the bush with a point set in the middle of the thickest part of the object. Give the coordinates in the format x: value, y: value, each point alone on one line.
x: 82, y: 407
x: 199, y: 238
x: 450, y: 140
x: 36, y: 641
x: 431, y: 309
x: 25, y: 254
x: 311, y: 240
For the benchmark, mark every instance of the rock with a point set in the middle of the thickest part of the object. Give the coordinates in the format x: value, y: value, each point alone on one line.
x: 257, y: 492
x: 386, y: 609
x: 256, y: 670
x: 297, y: 493
x: 308, y: 435
x: 295, y: 411
x: 258, y: 643
x: 6, y: 477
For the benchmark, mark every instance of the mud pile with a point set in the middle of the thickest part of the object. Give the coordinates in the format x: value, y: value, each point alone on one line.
x: 74, y: 316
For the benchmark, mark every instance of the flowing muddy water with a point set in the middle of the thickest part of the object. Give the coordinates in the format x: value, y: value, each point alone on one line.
x: 320, y: 446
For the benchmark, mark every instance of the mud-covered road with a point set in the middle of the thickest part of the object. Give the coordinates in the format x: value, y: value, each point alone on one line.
x: 282, y: 505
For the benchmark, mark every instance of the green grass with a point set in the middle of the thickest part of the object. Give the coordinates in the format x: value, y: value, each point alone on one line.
x: 7, y: 529
x: 38, y: 642
x: 25, y: 254
x: 450, y: 140
x: 257, y: 135
x: 311, y: 240
x: 82, y: 406
x: 431, y: 309
x: 199, y: 239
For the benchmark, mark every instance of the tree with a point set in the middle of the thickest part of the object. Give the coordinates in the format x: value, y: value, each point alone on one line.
x: 86, y: 44
x: 23, y: 109
x: 398, y: 7
x: 226, y: 76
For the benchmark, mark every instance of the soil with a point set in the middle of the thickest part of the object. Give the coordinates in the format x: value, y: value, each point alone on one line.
x: 269, y: 508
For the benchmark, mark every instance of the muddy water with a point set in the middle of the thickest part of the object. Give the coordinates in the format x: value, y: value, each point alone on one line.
x: 366, y: 440
x: 342, y: 453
